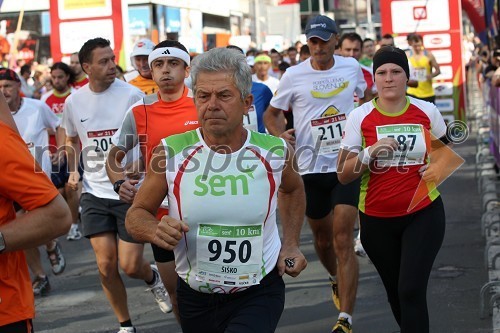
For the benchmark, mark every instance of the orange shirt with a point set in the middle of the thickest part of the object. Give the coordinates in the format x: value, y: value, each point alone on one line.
x: 30, y: 190
x: 147, y: 86
x: 157, y: 119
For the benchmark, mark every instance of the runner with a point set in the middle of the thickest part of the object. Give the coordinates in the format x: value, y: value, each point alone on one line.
x: 262, y: 95
x: 209, y: 232
x: 92, y: 115
x: 386, y: 40
x: 351, y: 45
x: 48, y: 217
x: 424, y: 68
x: 368, y: 52
x: 33, y: 118
x: 139, y: 59
x: 81, y: 78
x: 262, y: 65
x: 320, y: 92
x: 62, y: 77
x: 169, y: 111
x: 387, y: 143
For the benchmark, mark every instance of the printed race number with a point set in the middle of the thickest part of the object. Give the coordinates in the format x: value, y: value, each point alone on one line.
x: 244, y: 251
x: 101, y: 140
x: 406, y: 142
x: 327, y: 133
x: 229, y: 255
x: 102, y: 144
x: 411, y: 144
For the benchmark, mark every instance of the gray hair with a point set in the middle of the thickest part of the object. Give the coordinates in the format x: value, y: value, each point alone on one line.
x: 224, y: 60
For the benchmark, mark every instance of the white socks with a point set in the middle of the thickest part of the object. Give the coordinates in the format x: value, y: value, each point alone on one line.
x: 346, y: 316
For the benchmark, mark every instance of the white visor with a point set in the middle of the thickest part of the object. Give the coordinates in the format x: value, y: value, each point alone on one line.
x: 168, y: 52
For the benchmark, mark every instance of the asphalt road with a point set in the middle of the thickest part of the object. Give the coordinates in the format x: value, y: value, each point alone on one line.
x: 77, y: 303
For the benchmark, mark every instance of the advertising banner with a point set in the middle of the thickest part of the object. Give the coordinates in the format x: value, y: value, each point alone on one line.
x: 440, y: 24
x: 73, y: 22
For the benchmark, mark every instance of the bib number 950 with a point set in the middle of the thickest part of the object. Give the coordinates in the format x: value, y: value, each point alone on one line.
x: 243, y: 252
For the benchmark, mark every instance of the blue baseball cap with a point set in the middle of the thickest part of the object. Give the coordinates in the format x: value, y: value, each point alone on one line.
x: 322, y: 27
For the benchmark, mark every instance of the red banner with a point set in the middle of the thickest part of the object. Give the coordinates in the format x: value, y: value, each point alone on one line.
x: 287, y: 2
x: 475, y: 12
x: 73, y: 22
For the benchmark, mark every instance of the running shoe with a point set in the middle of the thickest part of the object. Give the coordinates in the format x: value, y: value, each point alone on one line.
x: 56, y: 259
x: 126, y: 330
x: 41, y: 286
x: 160, y: 293
x: 342, y: 326
x: 74, y: 233
x: 335, y: 293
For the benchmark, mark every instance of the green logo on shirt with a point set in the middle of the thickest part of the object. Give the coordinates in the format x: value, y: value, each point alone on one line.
x: 219, y: 185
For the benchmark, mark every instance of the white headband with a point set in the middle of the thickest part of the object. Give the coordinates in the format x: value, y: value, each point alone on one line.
x: 168, y: 52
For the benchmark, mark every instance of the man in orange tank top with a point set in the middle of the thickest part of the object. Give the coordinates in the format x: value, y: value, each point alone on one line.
x: 170, y: 111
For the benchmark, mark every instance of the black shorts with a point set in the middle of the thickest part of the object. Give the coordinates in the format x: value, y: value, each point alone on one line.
x: 23, y: 326
x: 324, y: 192
x: 162, y: 255
x: 257, y: 309
x: 59, y: 174
x: 101, y: 215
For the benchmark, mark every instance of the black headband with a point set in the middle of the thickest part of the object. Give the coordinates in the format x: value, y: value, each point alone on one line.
x: 393, y: 55
x: 8, y: 74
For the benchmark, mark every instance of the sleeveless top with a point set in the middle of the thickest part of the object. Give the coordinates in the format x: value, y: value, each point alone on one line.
x: 229, y: 202
x: 421, y: 68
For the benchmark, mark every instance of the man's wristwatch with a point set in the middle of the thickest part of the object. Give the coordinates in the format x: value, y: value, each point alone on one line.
x: 2, y: 243
x: 117, y: 185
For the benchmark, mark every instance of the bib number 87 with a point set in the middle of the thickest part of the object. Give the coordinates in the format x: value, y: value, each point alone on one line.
x: 403, y: 141
x: 244, y: 250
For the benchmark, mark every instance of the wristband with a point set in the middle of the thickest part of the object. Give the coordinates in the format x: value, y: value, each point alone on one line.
x: 364, y: 156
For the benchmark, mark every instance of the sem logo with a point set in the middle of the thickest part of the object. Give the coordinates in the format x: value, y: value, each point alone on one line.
x: 218, y: 185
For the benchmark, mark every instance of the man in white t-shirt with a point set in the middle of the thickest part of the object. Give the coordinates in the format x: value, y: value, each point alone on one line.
x: 262, y: 64
x: 320, y: 92
x: 33, y: 118
x: 92, y: 115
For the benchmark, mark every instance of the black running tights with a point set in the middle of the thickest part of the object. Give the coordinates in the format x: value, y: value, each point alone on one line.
x: 403, y: 250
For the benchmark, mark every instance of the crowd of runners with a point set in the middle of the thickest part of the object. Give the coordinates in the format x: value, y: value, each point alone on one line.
x: 338, y: 132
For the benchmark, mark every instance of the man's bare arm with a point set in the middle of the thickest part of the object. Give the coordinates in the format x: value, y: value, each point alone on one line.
x: 291, y: 202
x: 38, y: 226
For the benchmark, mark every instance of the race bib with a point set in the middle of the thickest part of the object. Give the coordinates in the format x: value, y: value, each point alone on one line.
x: 229, y: 255
x: 98, y: 146
x: 327, y: 133
x: 411, y: 140
x: 250, y: 120
x: 101, y: 140
x: 421, y: 74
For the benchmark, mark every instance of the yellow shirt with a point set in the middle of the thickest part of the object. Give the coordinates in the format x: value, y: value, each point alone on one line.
x: 421, y: 67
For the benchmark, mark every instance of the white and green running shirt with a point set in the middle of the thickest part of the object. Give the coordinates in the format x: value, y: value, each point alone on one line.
x: 229, y: 202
